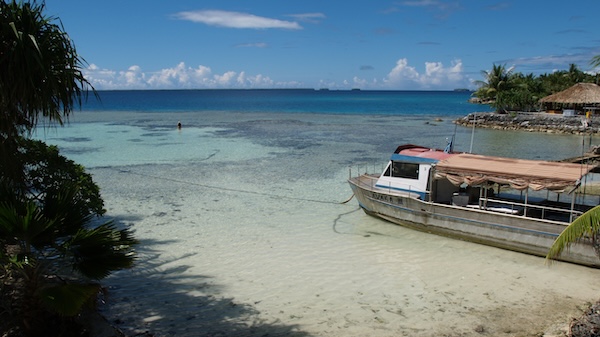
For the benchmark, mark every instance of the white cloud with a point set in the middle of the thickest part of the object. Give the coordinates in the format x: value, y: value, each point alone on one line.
x: 100, y: 78
x: 435, y: 77
x: 133, y: 76
x: 178, y: 77
x: 235, y: 20
x: 402, y: 73
x: 402, y: 76
x: 226, y: 78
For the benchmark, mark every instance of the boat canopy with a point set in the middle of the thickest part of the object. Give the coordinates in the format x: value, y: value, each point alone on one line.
x: 520, y: 174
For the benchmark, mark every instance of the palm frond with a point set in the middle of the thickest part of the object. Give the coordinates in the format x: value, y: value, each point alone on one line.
x: 67, y: 299
x: 99, y: 251
x: 588, y: 224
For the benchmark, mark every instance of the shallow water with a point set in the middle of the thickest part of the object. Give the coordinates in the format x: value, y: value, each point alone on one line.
x: 243, y: 231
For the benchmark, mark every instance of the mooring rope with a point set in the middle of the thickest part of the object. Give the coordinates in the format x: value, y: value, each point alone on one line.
x: 343, y: 202
x: 339, y: 217
x: 221, y: 188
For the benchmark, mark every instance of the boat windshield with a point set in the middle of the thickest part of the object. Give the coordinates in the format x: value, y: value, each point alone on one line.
x: 402, y: 170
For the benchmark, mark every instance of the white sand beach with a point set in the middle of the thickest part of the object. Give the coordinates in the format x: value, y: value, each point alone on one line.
x: 250, y: 238
x: 234, y: 263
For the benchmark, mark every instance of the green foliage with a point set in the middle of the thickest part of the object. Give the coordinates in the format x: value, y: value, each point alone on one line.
x: 595, y: 61
x: 49, y: 244
x: 98, y: 251
x: 62, y: 244
x: 508, y: 91
x: 47, y: 172
x: 39, y: 66
x: 67, y: 298
x: 40, y: 75
x: 26, y: 227
x: 52, y: 254
x: 587, y: 225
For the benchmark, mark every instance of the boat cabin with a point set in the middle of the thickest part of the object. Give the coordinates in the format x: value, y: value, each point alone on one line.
x: 409, y: 169
x: 512, y: 186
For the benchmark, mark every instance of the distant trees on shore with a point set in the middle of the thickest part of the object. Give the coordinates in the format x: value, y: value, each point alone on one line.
x: 506, y: 90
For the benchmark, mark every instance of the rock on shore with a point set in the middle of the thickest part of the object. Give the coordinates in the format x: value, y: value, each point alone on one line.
x: 532, y: 121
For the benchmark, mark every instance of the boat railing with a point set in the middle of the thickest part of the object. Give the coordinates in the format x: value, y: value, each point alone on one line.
x: 369, y: 181
x: 356, y: 170
x: 528, y: 210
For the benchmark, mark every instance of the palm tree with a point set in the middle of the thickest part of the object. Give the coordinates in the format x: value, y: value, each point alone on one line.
x: 57, y: 255
x: 51, y: 252
x: 40, y: 74
x: 587, y: 225
x: 524, y: 93
x: 595, y: 62
x: 574, y: 75
x: 497, y: 83
x: 40, y: 70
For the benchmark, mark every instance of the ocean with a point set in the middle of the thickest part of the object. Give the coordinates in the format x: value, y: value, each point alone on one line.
x: 244, y: 229
x: 354, y: 102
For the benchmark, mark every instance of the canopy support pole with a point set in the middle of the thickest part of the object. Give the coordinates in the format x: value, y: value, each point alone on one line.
x: 486, y: 196
x: 526, y: 198
x: 431, y: 176
x: 483, y: 187
x: 572, y: 206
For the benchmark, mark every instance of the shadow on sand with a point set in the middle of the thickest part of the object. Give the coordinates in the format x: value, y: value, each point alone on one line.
x: 160, y: 297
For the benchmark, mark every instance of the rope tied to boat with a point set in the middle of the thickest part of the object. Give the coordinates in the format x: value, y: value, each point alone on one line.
x: 346, y: 201
x: 221, y: 188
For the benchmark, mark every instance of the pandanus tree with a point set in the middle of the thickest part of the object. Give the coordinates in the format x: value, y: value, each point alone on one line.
x: 53, y: 247
x: 40, y: 74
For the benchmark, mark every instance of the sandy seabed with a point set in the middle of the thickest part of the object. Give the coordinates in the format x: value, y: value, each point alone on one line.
x: 215, y: 261
x: 243, y: 232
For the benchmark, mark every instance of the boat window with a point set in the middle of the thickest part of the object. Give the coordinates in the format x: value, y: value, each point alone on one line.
x: 405, y: 170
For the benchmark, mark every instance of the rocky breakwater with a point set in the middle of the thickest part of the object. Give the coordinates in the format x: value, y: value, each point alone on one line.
x: 534, y: 122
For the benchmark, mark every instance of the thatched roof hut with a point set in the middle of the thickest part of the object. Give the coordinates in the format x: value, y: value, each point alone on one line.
x: 580, y: 96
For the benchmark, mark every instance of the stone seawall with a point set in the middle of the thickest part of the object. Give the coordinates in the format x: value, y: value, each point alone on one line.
x: 533, y: 122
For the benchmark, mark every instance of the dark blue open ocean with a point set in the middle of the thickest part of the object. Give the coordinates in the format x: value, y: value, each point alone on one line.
x: 438, y: 103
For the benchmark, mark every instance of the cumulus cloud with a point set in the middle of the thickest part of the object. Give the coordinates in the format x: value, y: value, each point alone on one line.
x: 402, y: 72
x: 239, y: 20
x: 436, y: 76
x: 179, y: 77
x: 110, y: 79
x: 403, y: 76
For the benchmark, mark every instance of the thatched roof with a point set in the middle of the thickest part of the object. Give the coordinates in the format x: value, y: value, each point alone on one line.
x: 580, y: 93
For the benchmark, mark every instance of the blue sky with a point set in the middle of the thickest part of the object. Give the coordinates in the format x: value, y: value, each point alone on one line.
x: 372, y: 45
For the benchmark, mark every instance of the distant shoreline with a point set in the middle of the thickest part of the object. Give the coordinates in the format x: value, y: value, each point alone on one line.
x: 532, y: 122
